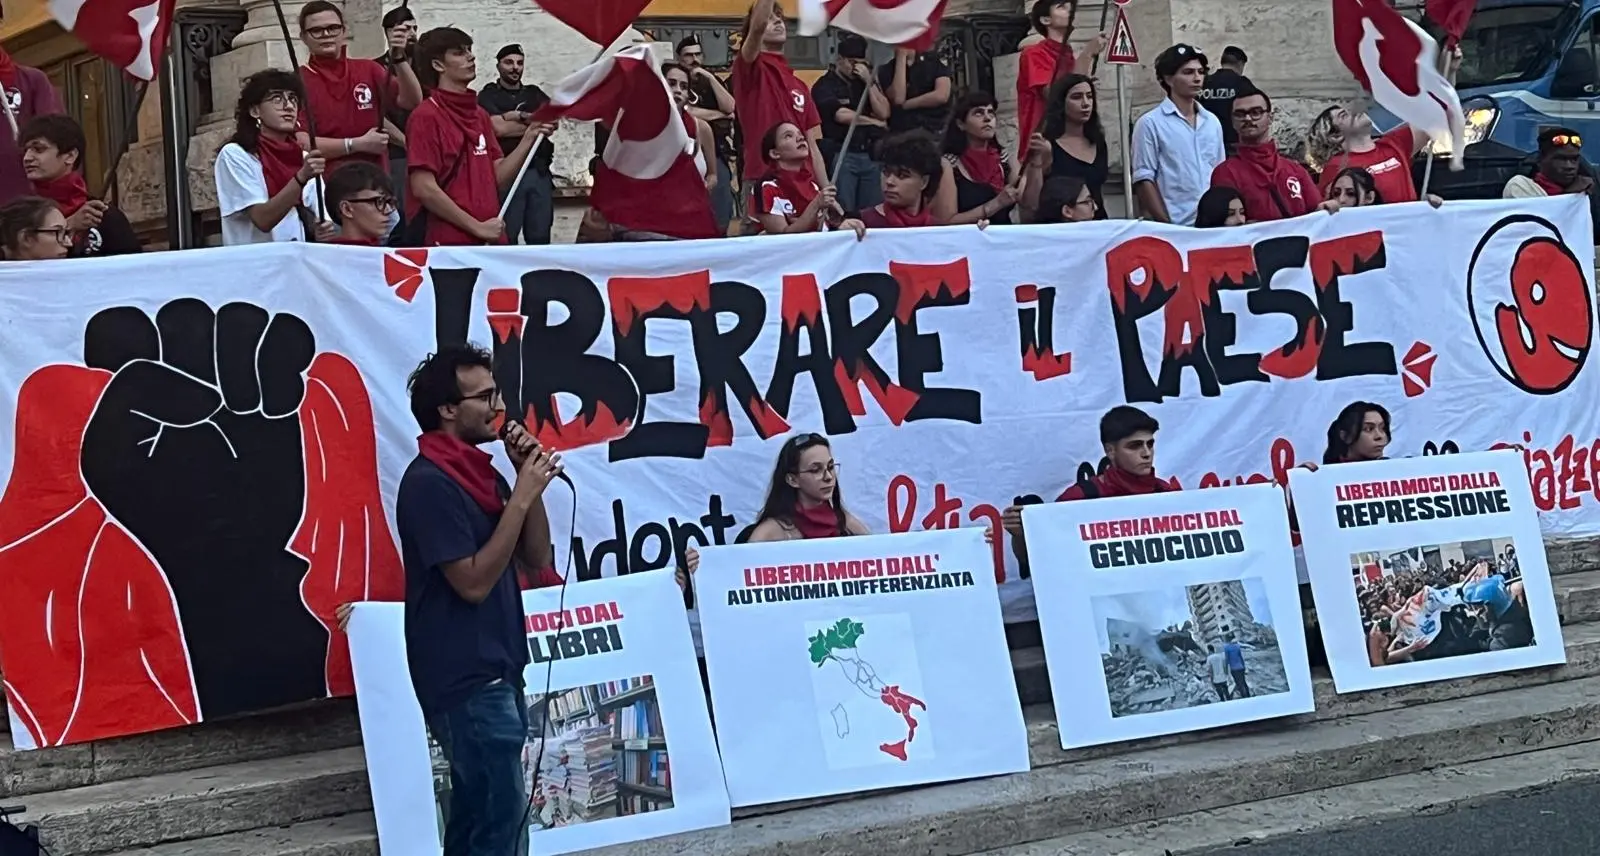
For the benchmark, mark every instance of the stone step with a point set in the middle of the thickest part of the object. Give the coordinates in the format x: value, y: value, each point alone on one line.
x: 327, y: 724
x: 1578, y: 596
x: 1457, y: 787
x: 1058, y: 798
x: 1572, y: 555
x: 211, y: 801
x: 349, y: 835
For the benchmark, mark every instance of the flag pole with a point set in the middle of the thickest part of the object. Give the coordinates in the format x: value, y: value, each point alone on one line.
x: 1105, y: 8
x: 1427, y: 168
x: 838, y: 165
x: 538, y: 141
x: 108, y: 184
x: 311, y: 121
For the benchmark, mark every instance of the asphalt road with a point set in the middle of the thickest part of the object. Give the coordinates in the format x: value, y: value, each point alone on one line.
x: 1561, y: 821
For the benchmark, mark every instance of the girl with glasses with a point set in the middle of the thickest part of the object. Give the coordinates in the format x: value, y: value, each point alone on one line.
x: 32, y: 228
x: 266, y: 183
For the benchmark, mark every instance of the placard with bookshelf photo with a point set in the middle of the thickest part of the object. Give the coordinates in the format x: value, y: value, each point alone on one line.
x: 596, y: 752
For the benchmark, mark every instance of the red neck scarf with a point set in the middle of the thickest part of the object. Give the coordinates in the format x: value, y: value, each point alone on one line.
x: 985, y: 166
x: 899, y: 218
x: 796, y: 185
x: 467, y: 466
x: 1119, y: 482
x: 461, y: 107
x: 337, y: 72
x: 8, y: 69
x: 1262, y: 156
x: 1549, y: 186
x: 280, y: 160
x: 816, y: 521
x: 68, y: 192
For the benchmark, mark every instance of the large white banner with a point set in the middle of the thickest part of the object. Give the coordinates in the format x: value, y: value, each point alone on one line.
x: 1426, y: 569
x: 620, y: 749
x: 1171, y: 612
x: 206, y: 444
x: 856, y: 663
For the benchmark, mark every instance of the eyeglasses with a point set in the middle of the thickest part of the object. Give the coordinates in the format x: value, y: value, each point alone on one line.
x: 1252, y: 113
x: 325, y: 32
x: 1567, y: 140
x: 487, y: 396
x: 281, y: 98
x: 62, y: 233
x: 383, y: 204
x: 817, y: 470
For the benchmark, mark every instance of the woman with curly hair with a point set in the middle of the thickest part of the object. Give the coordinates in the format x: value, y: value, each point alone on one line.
x: 919, y: 187
x: 982, y: 169
x: 266, y: 183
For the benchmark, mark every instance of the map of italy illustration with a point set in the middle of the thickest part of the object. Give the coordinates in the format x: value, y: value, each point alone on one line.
x: 838, y: 644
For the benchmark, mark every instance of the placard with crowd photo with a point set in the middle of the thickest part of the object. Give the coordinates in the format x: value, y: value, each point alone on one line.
x: 619, y: 745
x: 1168, y: 612
x: 1427, y: 568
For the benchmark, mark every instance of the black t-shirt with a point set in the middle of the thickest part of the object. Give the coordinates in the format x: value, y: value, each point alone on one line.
x: 497, y: 101
x: 392, y: 112
x: 1217, y: 96
x: 113, y: 237
x: 703, y: 96
x: 921, y: 75
x: 830, y: 93
x: 453, y: 647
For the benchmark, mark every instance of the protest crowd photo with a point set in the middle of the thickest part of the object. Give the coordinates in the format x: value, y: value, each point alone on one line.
x: 435, y: 529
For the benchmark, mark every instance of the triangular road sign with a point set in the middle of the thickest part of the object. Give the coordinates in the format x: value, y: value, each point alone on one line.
x: 1122, y: 51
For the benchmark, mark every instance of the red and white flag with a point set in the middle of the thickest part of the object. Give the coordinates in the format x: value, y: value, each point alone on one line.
x: 130, y: 34
x: 1398, y: 63
x: 647, y: 179
x: 600, y: 21
x: 908, y: 23
x: 1452, y: 16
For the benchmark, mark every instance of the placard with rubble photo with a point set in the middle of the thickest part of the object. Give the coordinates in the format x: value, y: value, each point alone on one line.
x: 850, y: 664
x: 619, y: 747
x: 1427, y: 569
x: 1169, y: 612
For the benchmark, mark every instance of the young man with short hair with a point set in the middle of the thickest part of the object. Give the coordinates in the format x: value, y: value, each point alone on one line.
x: 1043, y: 63
x: 1559, y: 168
x: 710, y: 101
x: 837, y: 93
x: 52, y: 158
x: 359, y: 197
x: 399, y: 25
x: 1272, y: 186
x: 464, y: 535
x: 1221, y: 87
x: 346, y: 97
x: 1178, y: 143
x: 768, y: 94
x: 1128, y: 436
x: 458, y: 169
x: 509, y: 103
x: 919, y: 87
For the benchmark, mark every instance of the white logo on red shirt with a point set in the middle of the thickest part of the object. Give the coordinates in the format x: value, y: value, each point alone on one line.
x: 1294, y: 187
x: 14, y: 95
x: 483, y: 146
x: 363, y: 94
x: 799, y: 100
x: 1384, y: 166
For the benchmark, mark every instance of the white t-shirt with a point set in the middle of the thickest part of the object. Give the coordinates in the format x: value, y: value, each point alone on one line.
x: 241, y: 184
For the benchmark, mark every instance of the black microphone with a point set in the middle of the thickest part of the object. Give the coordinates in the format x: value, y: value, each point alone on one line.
x: 505, y: 430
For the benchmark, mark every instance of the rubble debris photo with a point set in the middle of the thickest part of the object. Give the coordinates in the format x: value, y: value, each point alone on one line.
x: 1186, y: 646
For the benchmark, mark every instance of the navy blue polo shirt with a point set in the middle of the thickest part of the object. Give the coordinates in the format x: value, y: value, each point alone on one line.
x: 453, y: 647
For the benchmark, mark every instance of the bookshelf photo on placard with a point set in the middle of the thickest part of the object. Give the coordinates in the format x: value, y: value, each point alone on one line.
x: 605, y: 753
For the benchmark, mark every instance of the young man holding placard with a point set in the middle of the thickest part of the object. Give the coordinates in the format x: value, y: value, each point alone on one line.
x: 1128, y: 435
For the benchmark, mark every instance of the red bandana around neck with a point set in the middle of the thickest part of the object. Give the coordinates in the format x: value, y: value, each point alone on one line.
x: 796, y: 185
x: 461, y: 107
x: 1119, y: 482
x: 280, y: 160
x: 899, y: 218
x: 1262, y: 156
x: 336, y: 70
x: 985, y: 166
x: 467, y: 466
x: 816, y: 521
x: 1549, y: 186
x: 68, y: 192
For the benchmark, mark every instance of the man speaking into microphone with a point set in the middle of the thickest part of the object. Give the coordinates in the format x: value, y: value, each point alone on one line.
x: 466, y: 536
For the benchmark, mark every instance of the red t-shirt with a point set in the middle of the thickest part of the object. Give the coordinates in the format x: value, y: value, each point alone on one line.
x: 1256, y: 172
x: 1036, y: 70
x: 348, y: 102
x: 437, y: 144
x: 1389, y: 162
x: 766, y: 92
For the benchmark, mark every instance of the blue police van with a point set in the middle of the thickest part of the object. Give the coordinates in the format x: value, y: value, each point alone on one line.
x: 1526, y: 65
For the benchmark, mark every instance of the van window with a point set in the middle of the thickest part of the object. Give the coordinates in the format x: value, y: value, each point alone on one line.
x: 1511, y: 44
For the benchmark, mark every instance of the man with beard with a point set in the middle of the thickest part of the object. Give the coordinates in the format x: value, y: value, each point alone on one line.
x: 711, y: 102
x: 465, y: 534
x: 1272, y: 186
x: 509, y: 102
x: 52, y: 154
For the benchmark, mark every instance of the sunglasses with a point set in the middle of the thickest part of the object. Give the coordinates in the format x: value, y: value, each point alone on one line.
x: 1567, y: 140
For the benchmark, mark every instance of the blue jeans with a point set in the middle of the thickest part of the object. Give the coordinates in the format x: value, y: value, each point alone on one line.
x: 722, y: 198
x: 532, y: 212
x: 860, y: 181
x: 482, y: 738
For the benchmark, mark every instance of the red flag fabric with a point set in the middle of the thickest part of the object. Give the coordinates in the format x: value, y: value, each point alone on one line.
x: 1452, y: 15
x: 130, y: 34
x: 600, y: 21
x: 908, y: 23
x: 1392, y: 58
x: 646, y: 180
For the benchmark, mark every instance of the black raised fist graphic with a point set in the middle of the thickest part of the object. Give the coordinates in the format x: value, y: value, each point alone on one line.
x: 195, y: 448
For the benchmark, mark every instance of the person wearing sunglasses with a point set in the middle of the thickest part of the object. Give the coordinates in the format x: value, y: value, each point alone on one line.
x: 360, y: 199
x: 346, y: 97
x: 1559, y: 168
x: 32, y: 228
x: 266, y: 183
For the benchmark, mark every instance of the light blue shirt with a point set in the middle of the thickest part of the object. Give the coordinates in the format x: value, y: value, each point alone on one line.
x: 1177, y: 156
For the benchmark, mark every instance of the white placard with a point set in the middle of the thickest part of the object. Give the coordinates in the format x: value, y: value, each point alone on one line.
x: 1169, y: 612
x: 630, y: 714
x: 848, y: 664
x: 1426, y: 569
